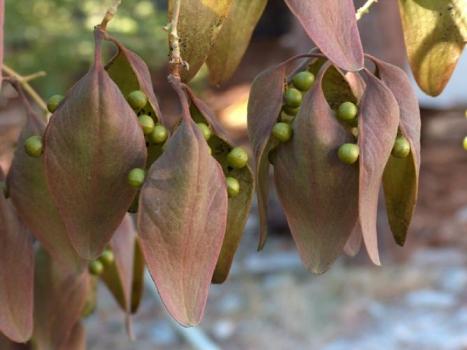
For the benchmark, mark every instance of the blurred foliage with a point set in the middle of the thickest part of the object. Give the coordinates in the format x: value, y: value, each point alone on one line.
x: 56, y: 36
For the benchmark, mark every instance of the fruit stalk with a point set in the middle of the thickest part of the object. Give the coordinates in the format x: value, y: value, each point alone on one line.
x: 365, y: 9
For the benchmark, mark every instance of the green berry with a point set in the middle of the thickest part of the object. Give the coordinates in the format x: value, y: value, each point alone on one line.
x: 137, y: 100
x: 290, y: 110
x: 286, y: 118
x: 54, y: 102
x: 348, y: 153
x: 136, y: 177
x: 292, y: 97
x: 159, y: 134
x: 282, y: 132
x: 401, y: 147
x: 96, y: 268
x: 233, y: 186
x: 237, y: 158
x: 146, y: 123
x: 205, y: 130
x: 303, y: 81
x: 107, y: 258
x: 465, y: 143
x: 33, y: 146
x: 347, y: 111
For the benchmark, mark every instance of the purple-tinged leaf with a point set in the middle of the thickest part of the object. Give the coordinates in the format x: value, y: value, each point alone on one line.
x: 92, y: 142
x: 377, y: 130
x: 332, y: 25
x: 354, y: 243
x: 317, y: 191
x: 16, y: 274
x: 400, y: 179
x: 182, y: 220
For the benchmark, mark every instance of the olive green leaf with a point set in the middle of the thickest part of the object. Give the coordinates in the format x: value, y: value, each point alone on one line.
x: 377, y: 130
x: 332, y: 26
x: 77, y: 339
x: 239, y: 206
x: 92, y: 142
x: 308, y: 175
x: 59, y: 292
x: 16, y: 274
x: 198, y: 26
x: 233, y: 40
x: 400, y: 179
x: 182, y: 220
x: 435, y: 34
x: 137, y: 285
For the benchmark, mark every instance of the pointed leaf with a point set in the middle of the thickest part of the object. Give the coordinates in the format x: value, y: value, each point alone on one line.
x: 182, y: 220
x: 233, y: 40
x: 92, y: 142
x: 308, y: 174
x: 16, y: 274
x: 377, y: 130
x: 354, y: 243
x: 137, y: 285
x: 332, y: 25
x: 435, y: 34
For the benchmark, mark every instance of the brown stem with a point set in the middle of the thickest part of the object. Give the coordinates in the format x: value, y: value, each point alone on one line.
x: 110, y: 14
x: 176, y: 60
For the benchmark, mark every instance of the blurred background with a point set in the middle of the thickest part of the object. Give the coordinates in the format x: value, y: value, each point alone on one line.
x: 417, y: 300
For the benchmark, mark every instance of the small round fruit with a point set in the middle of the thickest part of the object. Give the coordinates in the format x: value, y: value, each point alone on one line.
x: 137, y: 99
x: 401, y: 147
x: 348, y: 153
x: 96, y: 268
x: 282, y: 131
x: 303, y: 81
x: 53, y: 102
x: 136, y: 177
x: 146, y: 123
x: 205, y: 130
x: 286, y: 118
x: 33, y: 146
x: 159, y: 134
x: 237, y: 158
x: 233, y: 186
x: 107, y: 258
x: 292, y: 97
x: 290, y: 110
x: 465, y: 143
x: 347, y: 111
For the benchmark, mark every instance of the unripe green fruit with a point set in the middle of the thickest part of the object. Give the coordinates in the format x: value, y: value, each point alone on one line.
x: 137, y: 99
x: 136, y: 177
x: 290, y: 110
x: 465, y: 143
x: 96, y: 268
x: 237, y: 158
x: 159, y: 134
x: 53, y: 102
x: 282, y: 132
x: 347, y: 111
x: 303, y: 81
x: 107, y: 258
x: 233, y: 186
x: 401, y: 147
x: 146, y: 123
x: 33, y: 146
x: 285, y: 118
x: 205, y: 130
x: 348, y: 153
x: 292, y: 97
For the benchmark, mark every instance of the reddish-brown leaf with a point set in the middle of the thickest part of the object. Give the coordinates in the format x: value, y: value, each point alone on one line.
x: 332, y: 25
x: 318, y: 192
x: 377, y: 130
x: 60, y: 296
x: 400, y: 177
x: 77, y: 339
x: 16, y: 274
x: 181, y: 221
x: 92, y: 142
x: 7, y: 344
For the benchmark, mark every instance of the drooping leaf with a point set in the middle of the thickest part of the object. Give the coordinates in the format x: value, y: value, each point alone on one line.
x: 92, y: 142
x: 377, y: 130
x: 435, y: 34
x: 2, y: 18
x: 400, y: 177
x: 233, y: 40
x: 182, y: 220
x: 77, y: 339
x: 318, y: 192
x: 60, y: 296
x: 239, y: 206
x: 16, y: 274
x: 332, y: 25
x: 137, y: 285
x: 198, y: 26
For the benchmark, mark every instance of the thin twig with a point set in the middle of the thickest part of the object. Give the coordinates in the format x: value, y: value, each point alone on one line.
x: 365, y: 9
x: 110, y: 14
x: 176, y: 60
